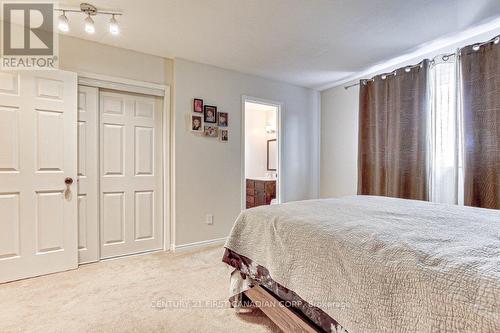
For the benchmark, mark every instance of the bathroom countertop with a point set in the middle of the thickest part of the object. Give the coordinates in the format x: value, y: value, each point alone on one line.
x: 262, y: 178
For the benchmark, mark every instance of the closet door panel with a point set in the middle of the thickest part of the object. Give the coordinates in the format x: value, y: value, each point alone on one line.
x: 131, y: 162
x: 88, y: 177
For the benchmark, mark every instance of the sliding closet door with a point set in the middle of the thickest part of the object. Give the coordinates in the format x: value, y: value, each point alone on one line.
x: 38, y: 166
x: 88, y: 174
x: 131, y: 173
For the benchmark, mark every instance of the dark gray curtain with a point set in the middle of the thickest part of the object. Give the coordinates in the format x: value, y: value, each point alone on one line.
x: 393, y: 116
x: 480, y: 71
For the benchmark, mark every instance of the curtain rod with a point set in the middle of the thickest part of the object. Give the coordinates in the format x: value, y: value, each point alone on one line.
x: 444, y: 57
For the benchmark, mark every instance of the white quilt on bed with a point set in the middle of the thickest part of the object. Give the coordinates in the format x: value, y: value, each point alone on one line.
x: 379, y: 264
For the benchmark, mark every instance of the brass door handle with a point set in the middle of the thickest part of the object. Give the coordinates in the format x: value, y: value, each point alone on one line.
x: 67, y: 193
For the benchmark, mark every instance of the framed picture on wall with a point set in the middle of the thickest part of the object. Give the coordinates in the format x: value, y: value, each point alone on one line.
x: 223, y: 119
x: 198, y: 105
x: 211, y: 131
x: 272, y: 155
x: 224, y: 135
x: 196, y: 124
x: 210, y: 114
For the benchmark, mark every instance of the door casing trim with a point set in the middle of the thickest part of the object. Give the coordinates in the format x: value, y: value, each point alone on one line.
x: 279, y: 135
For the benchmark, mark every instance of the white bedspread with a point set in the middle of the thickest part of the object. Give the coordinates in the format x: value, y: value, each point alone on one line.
x: 379, y: 264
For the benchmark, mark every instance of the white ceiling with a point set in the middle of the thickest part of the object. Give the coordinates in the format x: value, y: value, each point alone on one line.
x: 305, y: 42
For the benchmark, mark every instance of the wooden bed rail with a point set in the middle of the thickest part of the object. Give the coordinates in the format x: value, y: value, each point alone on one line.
x: 283, y: 317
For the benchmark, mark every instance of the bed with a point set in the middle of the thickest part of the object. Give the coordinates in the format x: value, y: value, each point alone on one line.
x: 371, y: 264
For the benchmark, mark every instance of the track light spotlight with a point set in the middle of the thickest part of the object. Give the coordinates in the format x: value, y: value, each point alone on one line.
x: 63, y: 24
x: 114, y: 29
x: 89, y: 25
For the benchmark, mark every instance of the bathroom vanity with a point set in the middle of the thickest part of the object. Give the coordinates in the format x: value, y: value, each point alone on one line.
x: 260, y: 191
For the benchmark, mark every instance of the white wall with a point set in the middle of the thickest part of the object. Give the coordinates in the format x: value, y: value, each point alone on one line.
x: 79, y: 55
x: 339, y: 120
x: 339, y: 142
x: 208, y: 172
x: 256, y: 139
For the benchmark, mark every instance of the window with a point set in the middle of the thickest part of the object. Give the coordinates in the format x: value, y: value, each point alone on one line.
x: 445, y: 135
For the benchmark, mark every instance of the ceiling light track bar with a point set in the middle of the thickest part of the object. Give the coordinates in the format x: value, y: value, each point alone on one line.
x: 80, y: 11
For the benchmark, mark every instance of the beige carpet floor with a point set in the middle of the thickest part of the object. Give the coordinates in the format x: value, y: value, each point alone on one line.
x: 159, y: 292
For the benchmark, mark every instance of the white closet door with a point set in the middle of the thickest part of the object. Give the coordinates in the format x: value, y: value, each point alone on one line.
x: 38, y: 150
x: 88, y: 175
x: 131, y: 173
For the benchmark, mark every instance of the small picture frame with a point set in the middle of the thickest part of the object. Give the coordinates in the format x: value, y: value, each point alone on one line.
x: 224, y: 135
x: 211, y: 131
x: 223, y: 118
x: 198, y: 105
x: 210, y: 114
x: 196, y: 124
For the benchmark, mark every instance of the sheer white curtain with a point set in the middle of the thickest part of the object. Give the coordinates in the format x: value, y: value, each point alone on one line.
x: 445, y: 160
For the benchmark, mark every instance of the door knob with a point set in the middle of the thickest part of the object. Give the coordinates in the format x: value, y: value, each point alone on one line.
x: 67, y: 193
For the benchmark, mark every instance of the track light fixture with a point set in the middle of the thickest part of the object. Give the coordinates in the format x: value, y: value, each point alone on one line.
x: 90, y: 11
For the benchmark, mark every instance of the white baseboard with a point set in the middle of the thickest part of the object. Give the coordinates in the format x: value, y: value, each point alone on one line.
x: 198, y: 245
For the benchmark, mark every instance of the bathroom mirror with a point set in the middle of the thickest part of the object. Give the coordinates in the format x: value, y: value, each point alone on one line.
x: 272, y: 155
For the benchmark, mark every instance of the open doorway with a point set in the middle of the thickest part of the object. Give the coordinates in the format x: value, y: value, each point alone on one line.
x: 261, y: 152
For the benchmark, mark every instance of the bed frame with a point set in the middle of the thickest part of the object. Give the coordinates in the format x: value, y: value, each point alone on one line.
x: 286, y: 319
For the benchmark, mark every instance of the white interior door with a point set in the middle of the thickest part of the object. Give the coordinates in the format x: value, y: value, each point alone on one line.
x: 38, y: 150
x: 131, y: 173
x: 88, y: 174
